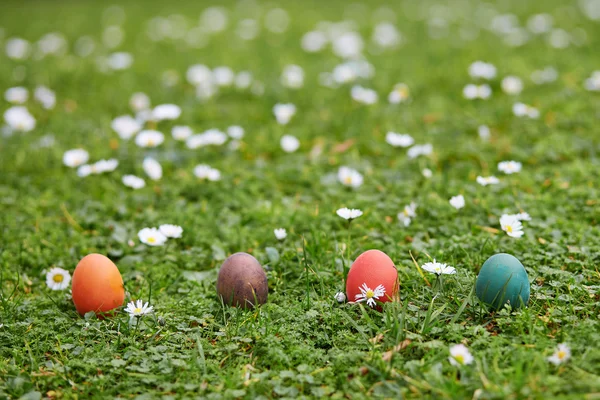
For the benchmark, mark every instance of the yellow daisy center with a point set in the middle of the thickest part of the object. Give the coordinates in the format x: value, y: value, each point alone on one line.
x: 369, y: 294
x: 58, y: 278
x: 460, y: 359
x: 150, y: 142
x: 509, y: 228
x: 151, y: 240
x: 561, y: 354
x: 348, y: 180
x: 137, y: 310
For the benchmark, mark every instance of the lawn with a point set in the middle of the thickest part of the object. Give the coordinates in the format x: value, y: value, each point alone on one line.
x: 302, y: 342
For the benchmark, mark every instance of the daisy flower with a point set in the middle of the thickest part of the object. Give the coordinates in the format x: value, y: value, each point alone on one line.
x: 223, y: 76
x: 409, y: 212
x: 292, y: 77
x: 511, y: 225
x: 523, y: 110
x: 126, y: 126
x: 58, y: 279
x: 480, y: 69
x: 152, y: 168
x: 399, y: 94
x: 235, y: 132
x: 561, y: 355
x: 19, y: 119
x: 280, y: 233
x: 75, y: 157
x: 472, y: 91
x: 204, y: 171
x: 284, y: 112
x: 166, y: 112
x: 349, y: 214
x: 152, y: 237
x: 289, y: 143
x: 512, y: 85
x: 484, y: 132
x: 438, y: 268
x: 340, y: 297
x: 45, y: 96
x: 133, y: 181
x: 16, y: 95
x: 427, y: 173
x: 369, y: 295
x: 523, y: 216
x: 509, y: 167
x: 460, y: 355
x: 457, y: 202
x: 198, y: 74
x: 399, y: 139
x: 171, y: 231
x: 593, y: 82
x: 139, y: 101
x: 488, y: 180
x: 181, y: 132
x: 420, y: 150
x: 364, y: 95
x: 138, y: 309
x: 350, y: 177
x: 149, y: 138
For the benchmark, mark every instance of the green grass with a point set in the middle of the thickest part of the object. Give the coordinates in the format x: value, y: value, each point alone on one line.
x: 302, y: 343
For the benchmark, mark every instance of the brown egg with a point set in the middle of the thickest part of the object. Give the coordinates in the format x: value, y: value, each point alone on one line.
x: 242, y: 282
x: 97, y: 285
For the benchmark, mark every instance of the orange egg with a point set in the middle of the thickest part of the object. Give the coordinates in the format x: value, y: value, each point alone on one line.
x: 97, y: 285
x: 371, y: 269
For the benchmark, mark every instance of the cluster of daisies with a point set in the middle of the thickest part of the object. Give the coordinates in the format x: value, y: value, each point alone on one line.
x: 461, y: 356
x: 159, y: 236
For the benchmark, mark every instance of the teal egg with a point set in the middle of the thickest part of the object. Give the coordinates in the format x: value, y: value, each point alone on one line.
x: 503, y: 279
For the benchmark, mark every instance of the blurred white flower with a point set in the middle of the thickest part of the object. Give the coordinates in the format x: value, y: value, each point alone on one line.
x: 204, y: 171
x: 472, y: 91
x: 243, y: 80
x: 19, y: 119
x: 149, y: 138
x: 280, y: 233
x: 171, y: 231
x: 314, y: 41
x: 223, y: 76
x: 98, y: 167
x: 561, y: 355
x: 546, y: 75
x: 289, y: 143
x: 166, y: 112
x: 126, y: 126
x: 133, y: 181
x: 45, y: 96
x: 399, y: 94
x: 198, y: 74
x: 235, y: 132
x: 215, y: 19
x: 523, y: 216
x: 17, y: 48
x: 489, y: 180
x: 523, y: 110
x: 349, y: 213
x: 348, y: 45
x: 420, y: 150
x: 457, y: 202
x: 75, y: 157
x: 559, y: 38
x: 119, y: 61
x: 248, y: 29
x: 292, y: 76
x: 340, y: 297
x: 540, y: 23
x: 483, y: 70
x: 350, y: 177
x: 509, y: 167
x: 277, y: 20
x: 85, y: 46
x: 399, y: 139
x: 284, y: 112
x: 58, y: 279
x: 512, y: 85
x: 460, y: 355
x: 438, y: 268
x: 511, y: 225
x: 16, y: 95
x: 427, y: 173
x: 113, y: 36
x: 52, y: 43
x: 364, y: 95
x: 593, y: 82
x: 484, y: 132
x: 386, y: 35
x: 139, y: 101
x: 408, y: 213
x: 152, y: 168
x: 152, y: 237
x: 180, y: 132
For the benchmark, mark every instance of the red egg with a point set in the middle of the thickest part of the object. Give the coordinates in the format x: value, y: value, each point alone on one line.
x: 370, y: 270
x: 97, y: 285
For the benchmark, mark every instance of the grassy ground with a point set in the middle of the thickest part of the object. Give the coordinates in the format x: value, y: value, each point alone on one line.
x: 302, y: 343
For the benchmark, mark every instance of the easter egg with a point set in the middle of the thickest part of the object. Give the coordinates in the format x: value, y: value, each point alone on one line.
x: 242, y: 282
x: 502, y: 280
x: 372, y: 278
x: 97, y: 285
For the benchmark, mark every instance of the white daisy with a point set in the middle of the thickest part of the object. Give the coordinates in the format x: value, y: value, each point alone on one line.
x: 511, y: 225
x: 149, y: 138
x: 438, y: 268
x: 17, y: 48
x: 512, y: 85
x: 138, y: 309
x: 399, y: 94
x: 427, y: 173
x: 369, y: 295
x: 386, y: 35
x: 484, y: 132
x: 420, y: 150
x: 223, y: 76
x: 292, y: 76
x: 509, y: 167
x: 314, y: 41
x: 75, y: 157
x: 523, y: 110
x: 166, y: 112
x: 243, y: 80
x: 472, y: 91
x: 198, y: 74
x: 457, y: 202
x: 152, y: 237
x: 593, y: 82
x: 561, y: 355
x: 19, y: 119
x: 152, y: 168
x: 483, y: 70
x: 58, y: 279
x: 399, y: 139
x: 460, y: 355
x: 348, y: 45
x: 45, y: 96
x: 16, y: 95
x: 171, y: 231
x: 235, y: 132
x: 204, y: 171
x: 340, y: 297
x: 126, y: 126
x: 181, y: 132
x: 289, y: 143
x: 364, y: 95
x: 280, y: 233
x: 407, y: 214
x: 133, y: 181
x: 488, y: 180
x: 350, y: 177
x: 284, y: 112
x: 523, y: 216
x: 139, y: 101
x: 119, y: 61
x: 349, y: 213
